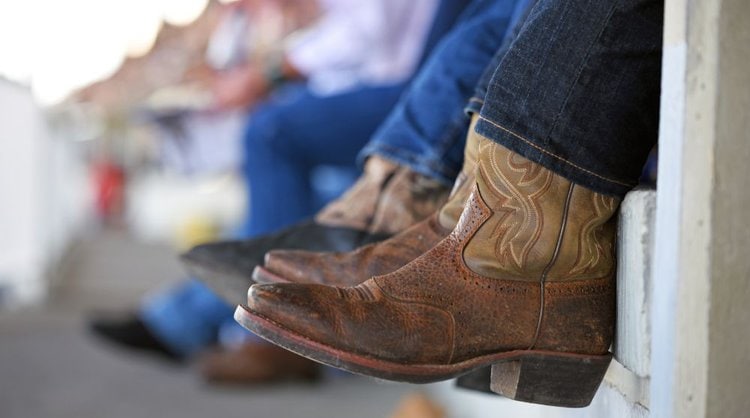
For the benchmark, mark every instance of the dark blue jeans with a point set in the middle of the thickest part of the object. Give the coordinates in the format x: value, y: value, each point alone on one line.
x: 578, y: 90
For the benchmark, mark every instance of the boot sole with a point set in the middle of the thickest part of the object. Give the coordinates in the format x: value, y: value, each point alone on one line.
x: 477, y: 380
x: 544, y: 377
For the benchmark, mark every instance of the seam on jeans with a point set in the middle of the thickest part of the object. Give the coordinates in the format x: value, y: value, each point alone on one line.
x: 475, y: 100
x: 553, y: 154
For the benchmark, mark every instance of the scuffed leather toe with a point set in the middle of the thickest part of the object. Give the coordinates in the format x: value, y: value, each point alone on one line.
x: 359, y: 319
x: 295, y: 266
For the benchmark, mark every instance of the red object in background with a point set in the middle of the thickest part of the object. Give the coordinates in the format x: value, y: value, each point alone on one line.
x: 109, y: 183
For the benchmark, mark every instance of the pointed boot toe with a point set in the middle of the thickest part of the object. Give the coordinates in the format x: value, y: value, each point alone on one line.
x: 223, y: 257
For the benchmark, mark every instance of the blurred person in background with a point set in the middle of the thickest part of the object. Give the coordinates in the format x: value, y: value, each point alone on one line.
x: 314, y: 102
x: 200, y: 126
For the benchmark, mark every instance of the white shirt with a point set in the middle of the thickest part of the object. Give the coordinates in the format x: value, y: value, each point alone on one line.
x: 362, y: 42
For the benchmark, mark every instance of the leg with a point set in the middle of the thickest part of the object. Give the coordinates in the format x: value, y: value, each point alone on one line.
x: 295, y: 132
x: 597, y: 119
x: 525, y: 281
x: 426, y: 130
x: 185, y: 318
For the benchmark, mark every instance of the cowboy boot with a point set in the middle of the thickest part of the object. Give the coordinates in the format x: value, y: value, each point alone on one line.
x: 384, y: 191
x: 353, y: 268
x: 524, y: 283
x: 256, y: 363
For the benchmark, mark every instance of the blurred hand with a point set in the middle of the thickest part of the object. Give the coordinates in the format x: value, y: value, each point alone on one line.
x: 239, y: 88
x: 201, y: 74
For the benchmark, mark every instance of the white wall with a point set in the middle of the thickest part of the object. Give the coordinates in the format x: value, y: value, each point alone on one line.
x: 21, y: 175
x: 41, y: 185
x: 700, y: 360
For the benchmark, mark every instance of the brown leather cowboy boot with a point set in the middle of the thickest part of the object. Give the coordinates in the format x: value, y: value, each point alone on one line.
x: 353, y: 268
x: 253, y: 363
x: 525, y: 283
x: 385, y: 191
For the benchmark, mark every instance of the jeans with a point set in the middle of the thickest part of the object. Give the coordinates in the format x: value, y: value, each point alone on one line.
x: 427, y: 129
x: 523, y: 8
x: 578, y: 90
x: 293, y: 133
x: 297, y: 131
x: 186, y: 318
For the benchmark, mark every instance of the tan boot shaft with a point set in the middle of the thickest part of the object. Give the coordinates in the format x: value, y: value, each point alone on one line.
x: 532, y: 209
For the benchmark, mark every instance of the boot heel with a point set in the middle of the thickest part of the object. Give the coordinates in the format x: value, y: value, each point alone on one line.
x: 557, y: 379
x: 476, y: 380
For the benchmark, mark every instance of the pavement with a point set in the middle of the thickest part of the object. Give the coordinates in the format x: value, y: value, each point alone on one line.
x: 51, y: 367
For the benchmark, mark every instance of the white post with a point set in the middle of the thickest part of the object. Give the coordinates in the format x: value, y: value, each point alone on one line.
x: 700, y: 359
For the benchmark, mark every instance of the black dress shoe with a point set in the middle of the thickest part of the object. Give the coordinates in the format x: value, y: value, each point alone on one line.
x: 130, y: 332
x: 227, y: 266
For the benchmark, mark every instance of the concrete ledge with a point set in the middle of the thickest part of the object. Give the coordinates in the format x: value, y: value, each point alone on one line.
x: 635, y: 242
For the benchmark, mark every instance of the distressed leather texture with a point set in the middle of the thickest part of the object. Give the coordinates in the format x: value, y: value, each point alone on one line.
x: 446, y: 306
x: 386, y: 199
x: 253, y: 363
x: 356, y: 207
x: 409, y: 198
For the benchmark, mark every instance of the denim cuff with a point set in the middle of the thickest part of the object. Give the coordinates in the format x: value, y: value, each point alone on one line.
x: 426, y: 167
x: 578, y: 90
x: 532, y: 151
x: 473, y: 106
